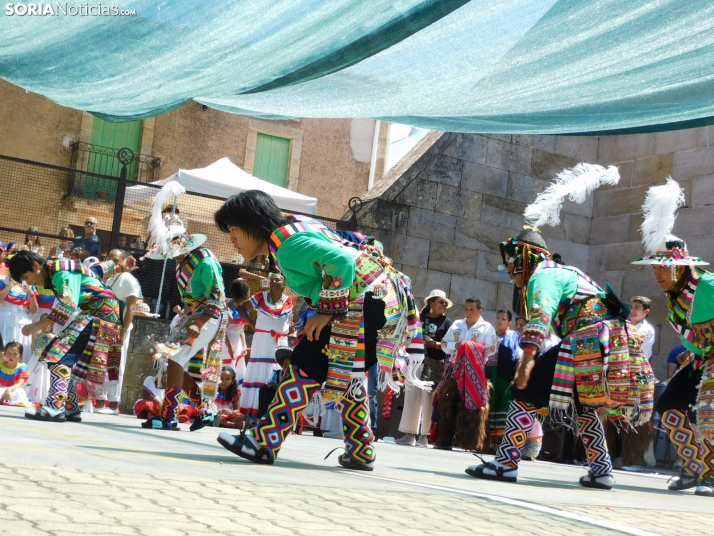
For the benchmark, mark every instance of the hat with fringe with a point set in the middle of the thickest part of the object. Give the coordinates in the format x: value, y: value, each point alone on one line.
x: 659, y: 211
x: 168, y: 233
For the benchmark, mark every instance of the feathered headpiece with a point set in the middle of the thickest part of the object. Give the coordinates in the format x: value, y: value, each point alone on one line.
x: 169, y: 237
x: 528, y: 248
x: 659, y: 211
x: 575, y: 184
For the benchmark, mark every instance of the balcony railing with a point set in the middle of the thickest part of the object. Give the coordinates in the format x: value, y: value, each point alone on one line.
x: 108, y: 161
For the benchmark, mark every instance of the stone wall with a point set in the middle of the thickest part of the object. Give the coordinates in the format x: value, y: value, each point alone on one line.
x: 139, y: 364
x: 442, y: 211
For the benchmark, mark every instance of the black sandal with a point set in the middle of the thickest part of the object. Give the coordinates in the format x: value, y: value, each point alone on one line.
x: 243, y: 447
x: 682, y: 481
x: 41, y: 414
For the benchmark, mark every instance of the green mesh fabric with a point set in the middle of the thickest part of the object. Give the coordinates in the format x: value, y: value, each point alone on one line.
x: 510, y: 66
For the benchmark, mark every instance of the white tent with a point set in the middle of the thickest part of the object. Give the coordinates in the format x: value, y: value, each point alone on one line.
x: 224, y: 179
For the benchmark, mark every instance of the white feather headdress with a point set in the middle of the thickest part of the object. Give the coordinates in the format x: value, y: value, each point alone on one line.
x: 157, y: 226
x: 575, y: 184
x: 659, y: 211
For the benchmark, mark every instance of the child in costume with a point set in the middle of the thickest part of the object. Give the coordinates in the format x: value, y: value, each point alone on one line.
x: 13, y: 376
x: 195, y: 347
x: 365, y: 310
x: 18, y: 304
x: 272, y: 325
x: 235, y: 347
x: 81, y: 351
x: 39, y: 382
x: 686, y: 407
x: 599, y: 363
x: 228, y: 400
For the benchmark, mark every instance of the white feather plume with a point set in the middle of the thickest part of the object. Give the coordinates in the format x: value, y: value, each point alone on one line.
x: 661, y: 204
x: 157, y: 227
x: 575, y: 184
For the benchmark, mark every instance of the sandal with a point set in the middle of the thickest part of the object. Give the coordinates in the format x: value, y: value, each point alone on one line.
x: 241, y: 446
x: 604, y: 481
x: 683, y: 481
x: 41, y: 414
x: 491, y: 471
x: 157, y: 423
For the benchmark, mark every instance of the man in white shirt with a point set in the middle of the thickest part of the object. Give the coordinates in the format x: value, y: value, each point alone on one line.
x: 639, y: 310
x: 471, y: 328
x: 127, y: 289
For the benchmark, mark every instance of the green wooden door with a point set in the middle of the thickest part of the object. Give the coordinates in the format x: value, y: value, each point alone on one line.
x: 272, y: 159
x: 107, y: 138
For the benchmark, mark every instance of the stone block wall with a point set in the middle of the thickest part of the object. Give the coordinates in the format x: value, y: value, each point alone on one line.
x: 139, y: 364
x: 442, y: 211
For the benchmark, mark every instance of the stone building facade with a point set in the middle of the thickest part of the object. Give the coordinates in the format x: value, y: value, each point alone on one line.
x: 442, y: 211
x: 329, y: 158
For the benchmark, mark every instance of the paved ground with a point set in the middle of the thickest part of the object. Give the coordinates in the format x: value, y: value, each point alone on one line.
x: 108, y: 476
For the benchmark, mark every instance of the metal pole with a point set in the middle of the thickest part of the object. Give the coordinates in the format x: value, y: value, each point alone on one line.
x: 126, y: 157
x: 163, y: 268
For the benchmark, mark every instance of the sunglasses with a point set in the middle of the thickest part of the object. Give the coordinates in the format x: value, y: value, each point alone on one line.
x: 442, y: 302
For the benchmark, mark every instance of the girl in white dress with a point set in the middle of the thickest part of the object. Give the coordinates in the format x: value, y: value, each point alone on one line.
x: 17, y: 305
x: 272, y: 326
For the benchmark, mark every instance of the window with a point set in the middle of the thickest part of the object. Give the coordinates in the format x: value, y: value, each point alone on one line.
x: 272, y: 159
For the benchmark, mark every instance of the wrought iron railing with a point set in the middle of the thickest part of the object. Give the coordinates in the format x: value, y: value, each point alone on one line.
x: 108, y: 161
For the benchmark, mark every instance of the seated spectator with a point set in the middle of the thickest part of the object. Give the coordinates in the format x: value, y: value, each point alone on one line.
x: 639, y: 310
x: 32, y: 241
x: 228, y: 400
x: 13, y: 376
x: 91, y: 248
x: 62, y: 250
x: 152, y: 396
x: 520, y: 324
x: 675, y: 359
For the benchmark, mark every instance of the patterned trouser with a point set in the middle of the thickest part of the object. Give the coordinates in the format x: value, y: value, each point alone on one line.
x: 169, y: 407
x: 291, y: 399
x: 355, y: 425
x: 519, y: 422
x: 62, y: 393
x: 697, y: 457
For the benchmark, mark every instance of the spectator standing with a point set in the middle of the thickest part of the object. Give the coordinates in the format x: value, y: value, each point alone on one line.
x: 94, y: 246
x: 639, y: 310
x: 127, y: 289
x: 520, y: 324
x: 471, y: 328
x: 500, y: 370
x: 32, y: 241
x: 3, y: 254
x: 418, y: 402
x: 235, y: 347
x: 675, y: 359
x: 272, y: 325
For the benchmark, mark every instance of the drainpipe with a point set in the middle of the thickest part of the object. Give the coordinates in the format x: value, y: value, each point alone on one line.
x: 373, y: 163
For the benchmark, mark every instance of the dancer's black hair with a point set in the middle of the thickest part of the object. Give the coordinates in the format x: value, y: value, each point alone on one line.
x: 254, y: 212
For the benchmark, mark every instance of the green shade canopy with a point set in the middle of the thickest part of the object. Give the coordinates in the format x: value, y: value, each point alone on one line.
x: 510, y: 66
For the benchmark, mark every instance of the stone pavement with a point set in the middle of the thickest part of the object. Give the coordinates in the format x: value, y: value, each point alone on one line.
x: 108, y: 476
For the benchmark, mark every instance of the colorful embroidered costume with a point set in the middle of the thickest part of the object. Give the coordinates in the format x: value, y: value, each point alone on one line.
x: 81, y: 351
x: 686, y: 407
x: 272, y: 325
x: 374, y: 314
x: 200, y: 284
x: 598, y: 364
